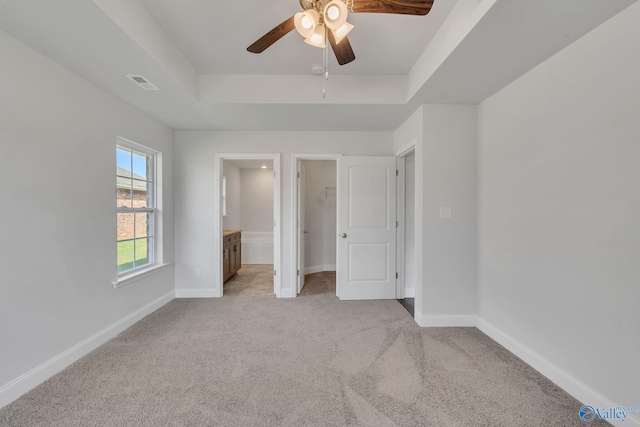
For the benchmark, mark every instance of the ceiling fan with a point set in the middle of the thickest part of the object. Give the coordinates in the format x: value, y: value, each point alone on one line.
x: 324, y: 20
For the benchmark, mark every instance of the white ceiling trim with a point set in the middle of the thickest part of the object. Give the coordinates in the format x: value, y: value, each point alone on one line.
x: 465, y: 15
x: 303, y: 89
x: 480, y: 47
x: 135, y: 20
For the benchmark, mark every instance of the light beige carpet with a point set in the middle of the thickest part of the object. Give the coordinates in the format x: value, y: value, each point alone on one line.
x: 308, y: 361
x: 319, y: 283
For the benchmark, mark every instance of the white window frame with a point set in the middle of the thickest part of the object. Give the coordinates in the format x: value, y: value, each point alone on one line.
x: 156, y: 264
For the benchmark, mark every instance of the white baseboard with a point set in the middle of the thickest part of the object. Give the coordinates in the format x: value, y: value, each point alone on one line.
x: 198, y: 293
x: 257, y: 247
x: 16, y: 388
x: 453, y: 320
x: 564, y: 380
x: 319, y: 269
x: 314, y: 269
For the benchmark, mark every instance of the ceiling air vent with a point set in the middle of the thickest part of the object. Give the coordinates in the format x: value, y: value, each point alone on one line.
x: 142, y: 82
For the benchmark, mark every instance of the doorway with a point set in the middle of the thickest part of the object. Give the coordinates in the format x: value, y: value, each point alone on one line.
x: 406, y: 232
x: 247, y: 210
x: 365, y: 223
x: 315, y: 211
x: 248, y: 213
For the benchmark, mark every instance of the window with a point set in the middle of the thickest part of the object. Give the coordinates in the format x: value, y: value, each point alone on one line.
x: 137, y: 209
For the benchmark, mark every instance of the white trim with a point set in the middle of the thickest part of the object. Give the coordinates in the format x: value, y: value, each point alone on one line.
x: 19, y: 386
x: 257, y: 247
x: 138, y: 274
x: 197, y: 293
x: 319, y: 268
x: 277, y: 216
x: 570, y: 384
x: 451, y: 320
x: 401, y: 216
x: 294, y: 209
x: 407, y: 149
x: 564, y: 380
x: 314, y: 269
x: 157, y: 210
x: 400, y: 229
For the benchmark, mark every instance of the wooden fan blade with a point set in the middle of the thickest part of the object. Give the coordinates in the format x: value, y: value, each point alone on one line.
x: 403, y: 7
x: 344, y: 52
x: 272, y: 36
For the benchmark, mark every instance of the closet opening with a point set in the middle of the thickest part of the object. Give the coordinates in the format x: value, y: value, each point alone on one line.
x: 315, y: 225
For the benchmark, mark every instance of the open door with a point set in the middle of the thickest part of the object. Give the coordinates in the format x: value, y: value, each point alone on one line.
x: 366, y: 248
x: 301, y: 231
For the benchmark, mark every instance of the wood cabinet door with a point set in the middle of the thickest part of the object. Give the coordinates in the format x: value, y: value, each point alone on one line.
x: 226, y: 262
x: 235, y: 258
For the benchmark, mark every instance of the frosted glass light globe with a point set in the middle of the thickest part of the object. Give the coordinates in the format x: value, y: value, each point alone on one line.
x: 333, y: 12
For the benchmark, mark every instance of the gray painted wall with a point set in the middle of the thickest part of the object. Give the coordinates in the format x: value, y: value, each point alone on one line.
x: 320, y: 213
x: 195, y: 152
x: 559, y: 211
x: 57, y: 186
x: 256, y: 201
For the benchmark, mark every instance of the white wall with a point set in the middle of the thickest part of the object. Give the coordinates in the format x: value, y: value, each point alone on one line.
x: 559, y: 211
x: 406, y: 137
x: 57, y: 187
x: 195, y: 151
x: 233, y: 219
x: 256, y: 213
x: 256, y: 202
x: 445, y: 138
x: 449, y: 162
x: 410, y: 225
x: 320, y: 215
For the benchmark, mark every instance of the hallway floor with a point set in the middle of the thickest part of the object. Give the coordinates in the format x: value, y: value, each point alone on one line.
x: 257, y: 280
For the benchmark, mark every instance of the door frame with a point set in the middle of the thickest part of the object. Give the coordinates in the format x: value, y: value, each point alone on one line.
x: 401, y: 215
x: 217, y: 213
x: 294, y: 210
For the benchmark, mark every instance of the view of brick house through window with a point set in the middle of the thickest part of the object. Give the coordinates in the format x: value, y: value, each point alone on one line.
x: 135, y: 208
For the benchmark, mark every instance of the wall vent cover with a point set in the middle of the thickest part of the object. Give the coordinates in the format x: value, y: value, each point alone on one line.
x: 142, y: 82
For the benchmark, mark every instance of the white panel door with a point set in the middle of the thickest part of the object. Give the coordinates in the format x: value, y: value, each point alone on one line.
x: 366, y: 251
x: 301, y: 224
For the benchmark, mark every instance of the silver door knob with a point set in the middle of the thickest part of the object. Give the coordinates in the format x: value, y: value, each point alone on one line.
x: 343, y: 235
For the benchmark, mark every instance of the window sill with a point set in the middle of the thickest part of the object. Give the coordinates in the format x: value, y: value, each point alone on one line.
x: 137, y: 275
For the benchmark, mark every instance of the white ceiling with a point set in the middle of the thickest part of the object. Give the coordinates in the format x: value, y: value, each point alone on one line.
x: 214, y: 36
x: 195, y: 52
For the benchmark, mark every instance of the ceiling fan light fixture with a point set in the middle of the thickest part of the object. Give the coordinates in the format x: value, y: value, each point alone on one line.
x: 342, y: 32
x: 335, y: 14
x: 318, y: 38
x: 306, y: 22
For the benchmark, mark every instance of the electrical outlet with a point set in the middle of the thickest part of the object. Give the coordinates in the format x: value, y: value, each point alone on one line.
x: 197, y: 272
